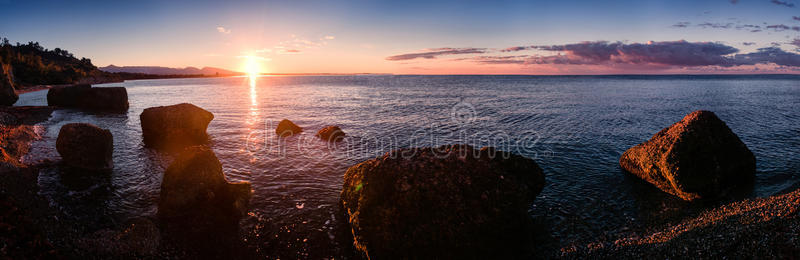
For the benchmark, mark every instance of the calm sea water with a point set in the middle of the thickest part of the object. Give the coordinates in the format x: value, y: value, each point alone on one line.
x: 574, y: 127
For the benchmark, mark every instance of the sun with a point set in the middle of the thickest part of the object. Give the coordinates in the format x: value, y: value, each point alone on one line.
x: 252, y: 66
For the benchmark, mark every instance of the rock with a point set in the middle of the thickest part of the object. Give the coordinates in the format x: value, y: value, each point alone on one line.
x: 194, y: 190
x: 140, y: 237
x: 331, y: 133
x: 175, y: 127
x: 67, y: 96
x: 84, y: 96
x: 698, y: 157
x: 287, y: 128
x: 85, y: 146
x: 8, y: 96
x: 113, y: 99
x: 7, y: 119
x: 447, y: 202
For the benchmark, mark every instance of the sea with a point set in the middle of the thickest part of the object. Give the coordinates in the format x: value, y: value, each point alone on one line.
x: 574, y: 127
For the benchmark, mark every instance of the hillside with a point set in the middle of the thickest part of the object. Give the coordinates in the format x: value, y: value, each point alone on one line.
x: 31, y: 64
x: 155, y: 70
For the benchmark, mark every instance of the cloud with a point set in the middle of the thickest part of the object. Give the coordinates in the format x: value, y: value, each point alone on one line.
x: 516, y: 59
x: 716, y: 25
x: 795, y: 42
x: 783, y: 27
x: 433, y: 53
x: 748, y: 43
x: 517, y: 48
x: 768, y: 55
x: 329, y: 37
x: 681, y: 24
x: 796, y: 18
x: 670, y: 53
x: 734, y: 1
x: 223, y: 30
x: 786, y: 4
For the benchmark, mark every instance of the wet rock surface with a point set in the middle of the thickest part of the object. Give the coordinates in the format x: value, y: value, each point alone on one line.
x: 86, y: 146
x: 287, y: 128
x: 174, y: 127
x: 8, y: 95
x: 84, y: 96
x: 331, y: 133
x: 451, y: 202
x: 696, y: 158
x: 195, y: 193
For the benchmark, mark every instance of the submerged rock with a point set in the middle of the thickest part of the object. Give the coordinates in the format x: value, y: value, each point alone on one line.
x: 7, y: 94
x: 84, y: 96
x: 175, y: 127
x: 447, y: 202
x: 287, y: 128
x: 194, y: 190
x: 331, y: 133
x: 85, y: 146
x: 698, y: 157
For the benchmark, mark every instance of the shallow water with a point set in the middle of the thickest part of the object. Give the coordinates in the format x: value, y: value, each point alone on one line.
x: 574, y: 127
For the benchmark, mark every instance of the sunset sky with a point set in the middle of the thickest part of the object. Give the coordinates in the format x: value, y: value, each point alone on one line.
x: 420, y: 37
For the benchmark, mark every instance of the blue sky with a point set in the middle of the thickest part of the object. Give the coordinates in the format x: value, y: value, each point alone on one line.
x: 360, y: 36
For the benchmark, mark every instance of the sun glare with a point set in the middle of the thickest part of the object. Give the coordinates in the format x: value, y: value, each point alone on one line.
x: 252, y: 66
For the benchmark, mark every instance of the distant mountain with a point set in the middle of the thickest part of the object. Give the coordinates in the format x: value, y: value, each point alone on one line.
x: 155, y: 70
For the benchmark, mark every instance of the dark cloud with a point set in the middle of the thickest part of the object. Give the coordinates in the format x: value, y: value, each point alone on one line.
x: 517, y: 48
x: 748, y: 43
x: 795, y: 42
x: 734, y: 1
x: 433, y: 53
x: 716, y: 25
x: 670, y: 53
x: 681, y: 24
x: 778, y: 2
x: 796, y: 18
x: 768, y: 55
x: 783, y: 27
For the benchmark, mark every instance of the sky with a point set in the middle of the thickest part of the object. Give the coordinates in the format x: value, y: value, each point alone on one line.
x: 421, y: 37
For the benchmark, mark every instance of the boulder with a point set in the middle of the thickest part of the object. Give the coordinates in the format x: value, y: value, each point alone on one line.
x: 85, y: 146
x: 698, y: 157
x: 114, y: 99
x: 175, y: 127
x: 447, y: 202
x: 194, y: 190
x: 331, y: 133
x: 8, y: 96
x: 84, y: 96
x: 287, y: 128
x: 67, y: 96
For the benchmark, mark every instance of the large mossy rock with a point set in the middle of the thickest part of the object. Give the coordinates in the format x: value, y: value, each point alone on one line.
x: 84, y: 96
x: 447, y: 202
x: 174, y: 127
x: 287, y: 128
x: 194, y: 191
x: 86, y: 146
x: 698, y: 157
x: 8, y: 96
